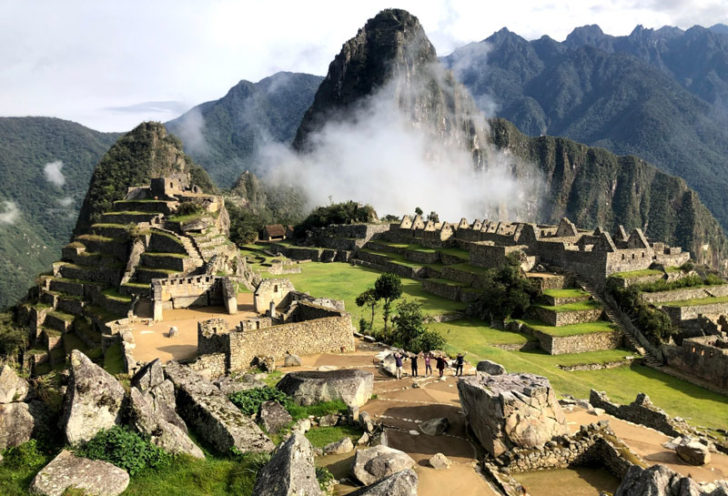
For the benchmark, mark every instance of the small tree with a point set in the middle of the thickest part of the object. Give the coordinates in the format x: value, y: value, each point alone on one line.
x: 409, y: 329
x: 418, y: 211
x: 368, y: 298
x: 507, y: 292
x: 434, y: 217
x: 388, y: 288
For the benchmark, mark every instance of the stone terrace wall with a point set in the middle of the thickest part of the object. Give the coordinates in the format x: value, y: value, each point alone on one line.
x: 685, y: 294
x: 698, y: 357
x: 580, y: 343
x: 678, y: 314
x: 554, y: 318
x: 640, y: 411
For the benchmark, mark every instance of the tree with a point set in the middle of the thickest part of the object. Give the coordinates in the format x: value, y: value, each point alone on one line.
x: 418, y: 211
x: 434, y: 217
x: 368, y: 298
x: 409, y: 329
x: 388, y: 288
x: 507, y: 292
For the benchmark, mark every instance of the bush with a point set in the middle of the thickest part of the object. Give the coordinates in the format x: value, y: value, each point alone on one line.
x: 338, y: 213
x: 507, y: 293
x: 656, y: 325
x: 125, y: 449
x: 324, y: 477
x: 249, y: 401
x: 690, y: 281
x: 25, y: 455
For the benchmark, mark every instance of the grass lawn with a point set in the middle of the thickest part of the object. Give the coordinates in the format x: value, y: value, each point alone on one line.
x: 473, y: 332
x: 345, y: 282
x: 321, y: 436
x: 636, y: 273
x: 455, y: 252
x: 697, y: 301
x: 573, y: 307
x: 572, y: 329
x: 565, y: 293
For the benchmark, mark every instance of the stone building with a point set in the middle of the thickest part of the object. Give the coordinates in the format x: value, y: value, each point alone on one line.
x: 705, y: 357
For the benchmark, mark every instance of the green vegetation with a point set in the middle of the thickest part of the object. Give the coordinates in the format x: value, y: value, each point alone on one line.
x: 337, y: 213
x: 507, y: 292
x: 19, y: 466
x: 572, y: 329
x: 409, y: 330
x: 321, y: 436
x: 249, y: 403
x: 691, y: 281
x: 125, y: 449
x: 387, y: 287
x: 113, y: 294
x: 114, y: 360
x: 634, y: 274
x: 697, y: 301
x: 655, y: 324
x: 13, y: 338
x: 573, y: 307
x: 565, y: 293
x: 472, y: 332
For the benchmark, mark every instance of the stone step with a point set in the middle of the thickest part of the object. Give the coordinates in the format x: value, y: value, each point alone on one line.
x: 151, y: 206
x: 127, y: 217
x: 111, y: 230
x: 58, y: 320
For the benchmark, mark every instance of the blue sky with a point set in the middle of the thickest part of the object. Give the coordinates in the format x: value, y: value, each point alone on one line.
x: 112, y: 64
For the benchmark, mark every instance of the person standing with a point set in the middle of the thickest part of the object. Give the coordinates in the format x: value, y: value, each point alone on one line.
x: 428, y: 365
x: 440, y: 365
x: 398, y: 363
x: 459, y: 361
x: 413, y: 362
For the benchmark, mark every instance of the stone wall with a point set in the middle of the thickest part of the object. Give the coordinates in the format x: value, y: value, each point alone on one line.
x: 685, y: 294
x: 271, y: 291
x: 554, y: 318
x: 184, y: 292
x: 678, y: 314
x: 490, y: 256
x: 640, y: 411
x: 442, y: 289
x: 701, y: 358
x: 579, y: 343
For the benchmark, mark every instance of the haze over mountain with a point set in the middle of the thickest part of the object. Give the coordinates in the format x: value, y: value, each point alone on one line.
x: 659, y: 95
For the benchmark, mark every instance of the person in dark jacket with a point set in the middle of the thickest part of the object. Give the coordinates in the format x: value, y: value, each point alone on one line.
x: 440, y: 365
x: 413, y: 362
x: 459, y: 361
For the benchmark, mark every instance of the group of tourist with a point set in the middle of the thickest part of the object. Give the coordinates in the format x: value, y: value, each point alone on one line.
x: 440, y: 363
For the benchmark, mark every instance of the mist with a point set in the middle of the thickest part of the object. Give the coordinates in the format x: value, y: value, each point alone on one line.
x: 9, y: 212
x: 380, y: 156
x: 53, y: 174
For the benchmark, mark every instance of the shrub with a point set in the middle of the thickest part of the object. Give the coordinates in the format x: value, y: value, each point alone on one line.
x: 249, y: 401
x: 25, y: 455
x: 324, y: 477
x: 125, y: 449
x: 654, y: 323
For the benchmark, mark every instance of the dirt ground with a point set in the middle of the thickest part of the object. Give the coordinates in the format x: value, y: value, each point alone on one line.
x: 152, y: 341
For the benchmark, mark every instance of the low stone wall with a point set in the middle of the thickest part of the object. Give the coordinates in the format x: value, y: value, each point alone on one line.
x: 421, y: 257
x: 685, y: 294
x: 640, y: 411
x: 555, y: 301
x: 554, y: 318
x: 442, y: 289
x: 678, y: 314
x: 460, y: 276
x: 163, y: 242
x: 579, y: 343
x: 210, y: 366
x: 699, y: 357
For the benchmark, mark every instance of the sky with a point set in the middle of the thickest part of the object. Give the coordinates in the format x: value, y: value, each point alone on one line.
x: 112, y: 64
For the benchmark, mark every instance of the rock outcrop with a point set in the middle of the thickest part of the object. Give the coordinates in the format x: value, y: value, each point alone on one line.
x: 374, y: 464
x: 353, y: 386
x: 693, y: 452
x: 290, y: 472
x: 93, y: 400
x: 660, y: 480
x: 12, y: 387
x: 403, y: 483
x: 273, y: 416
x: 511, y: 410
x: 217, y: 420
x: 491, y: 368
x: 67, y: 471
x: 16, y: 424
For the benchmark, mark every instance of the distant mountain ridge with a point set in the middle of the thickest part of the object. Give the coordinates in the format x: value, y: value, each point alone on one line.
x: 646, y: 94
x: 46, y: 210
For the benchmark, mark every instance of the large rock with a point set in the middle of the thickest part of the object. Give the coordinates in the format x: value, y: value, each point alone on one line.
x: 290, y: 472
x: 292, y: 361
x: 229, y: 385
x: 149, y: 419
x: 12, y: 387
x: 439, y: 461
x: 511, y: 410
x: 93, y: 400
x: 273, y: 416
x: 491, y: 368
x: 208, y: 410
x: 374, y: 464
x: 403, y: 483
x: 93, y: 477
x: 659, y: 480
x: 16, y: 424
x: 353, y: 386
x: 693, y: 451
x: 149, y: 376
x: 343, y: 445
x: 389, y: 364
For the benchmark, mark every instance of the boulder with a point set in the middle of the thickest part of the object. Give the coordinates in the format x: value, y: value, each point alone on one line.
x: 659, y: 480
x: 292, y: 361
x: 229, y: 385
x: 511, y: 410
x: 302, y: 426
x: 353, y: 386
x: 147, y: 418
x: 93, y: 477
x: 365, y: 420
x: 329, y: 420
x: 16, y: 424
x: 435, y: 426
x: 692, y: 451
x: 402, y: 483
x: 152, y: 374
x: 374, y: 464
x: 339, y: 447
x: 364, y: 439
x: 217, y: 420
x: 290, y: 472
x: 12, y: 387
x: 388, y: 364
x: 273, y: 416
x: 438, y: 461
x: 93, y: 400
x: 491, y: 368
x: 265, y: 363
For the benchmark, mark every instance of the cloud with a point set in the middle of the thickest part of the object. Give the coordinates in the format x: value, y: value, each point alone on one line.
x: 189, y: 128
x: 53, y: 174
x: 165, y: 107
x: 66, y: 201
x: 10, y: 212
x: 380, y: 156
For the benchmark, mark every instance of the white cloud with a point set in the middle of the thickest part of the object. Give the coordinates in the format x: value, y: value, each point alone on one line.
x: 74, y: 59
x: 66, y: 201
x: 9, y: 212
x: 53, y: 174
